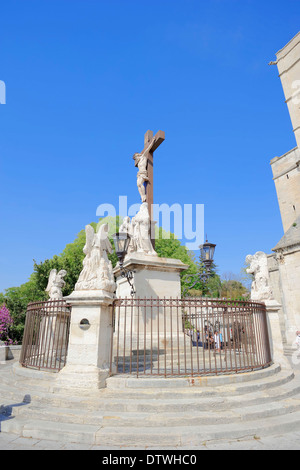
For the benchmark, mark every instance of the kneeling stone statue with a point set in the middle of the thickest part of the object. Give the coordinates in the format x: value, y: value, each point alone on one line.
x: 139, y: 230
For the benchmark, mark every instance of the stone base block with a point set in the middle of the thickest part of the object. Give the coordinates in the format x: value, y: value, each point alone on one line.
x: 3, y: 353
x: 152, y: 276
x: 88, y: 377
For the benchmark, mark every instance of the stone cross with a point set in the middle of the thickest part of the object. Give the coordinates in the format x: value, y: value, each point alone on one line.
x: 150, y: 145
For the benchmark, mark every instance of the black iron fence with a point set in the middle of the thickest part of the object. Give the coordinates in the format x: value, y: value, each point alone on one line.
x: 192, y: 337
x: 46, y: 335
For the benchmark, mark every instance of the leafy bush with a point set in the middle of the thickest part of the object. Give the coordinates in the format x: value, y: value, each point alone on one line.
x: 6, y: 322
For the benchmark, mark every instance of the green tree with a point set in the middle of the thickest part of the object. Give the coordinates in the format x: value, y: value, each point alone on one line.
x: 71, y: 258
x: 214, y: 286
x: 168, y: 246
x: 209, y: 288
x: 16, y: 299
x: 232, y: 289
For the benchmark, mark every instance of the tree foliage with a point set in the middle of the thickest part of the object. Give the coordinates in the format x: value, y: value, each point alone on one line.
x: 233, y: 289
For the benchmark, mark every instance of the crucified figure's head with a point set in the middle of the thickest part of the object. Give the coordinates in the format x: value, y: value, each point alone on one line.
x: 137, y: 157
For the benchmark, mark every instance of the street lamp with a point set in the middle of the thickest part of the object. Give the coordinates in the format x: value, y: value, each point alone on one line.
x: 207, y: 251
x: 121, y: 242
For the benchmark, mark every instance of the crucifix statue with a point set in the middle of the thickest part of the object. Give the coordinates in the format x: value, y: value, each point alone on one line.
x: 144, y: 162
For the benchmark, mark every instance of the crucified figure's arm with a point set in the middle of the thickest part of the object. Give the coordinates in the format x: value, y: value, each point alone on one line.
x: 149, y: 146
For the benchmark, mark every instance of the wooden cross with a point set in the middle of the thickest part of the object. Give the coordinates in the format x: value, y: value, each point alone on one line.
x: 157, y: 140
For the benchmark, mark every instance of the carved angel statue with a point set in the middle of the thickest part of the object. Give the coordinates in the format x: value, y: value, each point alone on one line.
x: 97, y: 272
x: 258, y: 266
x: 55, y: 284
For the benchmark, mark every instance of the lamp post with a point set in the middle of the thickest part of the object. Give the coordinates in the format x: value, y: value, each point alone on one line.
x: 121, y: 242
x: 207, y: 251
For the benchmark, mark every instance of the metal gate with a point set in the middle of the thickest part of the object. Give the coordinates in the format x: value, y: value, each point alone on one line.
x: 188, y: 337
x: 46, y: 335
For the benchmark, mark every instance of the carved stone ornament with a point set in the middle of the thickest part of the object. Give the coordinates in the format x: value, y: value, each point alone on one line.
x: 258, y: 266
x: 139, y: 231
x: 55, y: 284
x: 279, y: 257
x: 97, y: 272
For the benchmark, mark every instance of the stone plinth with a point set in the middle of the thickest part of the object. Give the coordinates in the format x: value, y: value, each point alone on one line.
x: 153, y: 277
x: 3, y: 352
x: 275, y: 336
x: 88, y: 358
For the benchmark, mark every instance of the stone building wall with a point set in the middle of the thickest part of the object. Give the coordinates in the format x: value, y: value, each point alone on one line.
x: 288, y: 63
x: 286, y: 175
x: 284, y: 264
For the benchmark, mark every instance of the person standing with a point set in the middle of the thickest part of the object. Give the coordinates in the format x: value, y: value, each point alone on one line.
x: 217, y: 341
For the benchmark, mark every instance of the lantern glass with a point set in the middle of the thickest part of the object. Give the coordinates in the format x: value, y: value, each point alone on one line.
x: 207, y: 251
x: 121, y: 241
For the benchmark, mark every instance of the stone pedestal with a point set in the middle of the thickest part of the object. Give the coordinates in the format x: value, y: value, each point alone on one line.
x: 88, y: 358
x: 276, y: 342
x: 3, y: 353
x: 153, y: 277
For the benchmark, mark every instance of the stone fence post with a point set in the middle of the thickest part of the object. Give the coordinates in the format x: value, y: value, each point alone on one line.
x: 88, y: 358
x: 276, y: 343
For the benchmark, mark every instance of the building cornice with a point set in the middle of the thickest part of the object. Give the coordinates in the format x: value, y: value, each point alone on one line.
x: 294, y: 167
x: 275, y: 159
x: 297, y: 38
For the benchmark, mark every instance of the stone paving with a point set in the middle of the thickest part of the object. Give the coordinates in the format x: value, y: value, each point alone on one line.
x: 285, y: 442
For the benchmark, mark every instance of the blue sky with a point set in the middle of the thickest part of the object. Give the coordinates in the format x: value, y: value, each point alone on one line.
x: 85, y: 79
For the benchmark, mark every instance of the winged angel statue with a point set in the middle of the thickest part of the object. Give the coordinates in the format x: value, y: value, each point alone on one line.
x: 97, y: 272
x: 55, y: 284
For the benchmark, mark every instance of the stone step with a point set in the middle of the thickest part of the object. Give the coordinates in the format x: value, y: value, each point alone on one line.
x: 129, y: 388
x: 214, y: 385
x: 193, y: 361
x: 156, y: 436
x: 157, y: 401
x: 50, y: 430
x: 196, y: 435
x: 150, y: 411
x: 194, y: 407
x: 165, y: 416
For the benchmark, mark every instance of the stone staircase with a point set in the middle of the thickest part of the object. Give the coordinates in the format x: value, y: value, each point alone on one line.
x: 150, y: 411
x: 191, y: 361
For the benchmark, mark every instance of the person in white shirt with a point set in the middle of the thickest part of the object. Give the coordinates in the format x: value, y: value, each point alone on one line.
x: 217, y: 341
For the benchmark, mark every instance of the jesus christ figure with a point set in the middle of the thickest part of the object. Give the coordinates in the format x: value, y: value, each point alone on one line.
x: 141, y: 161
